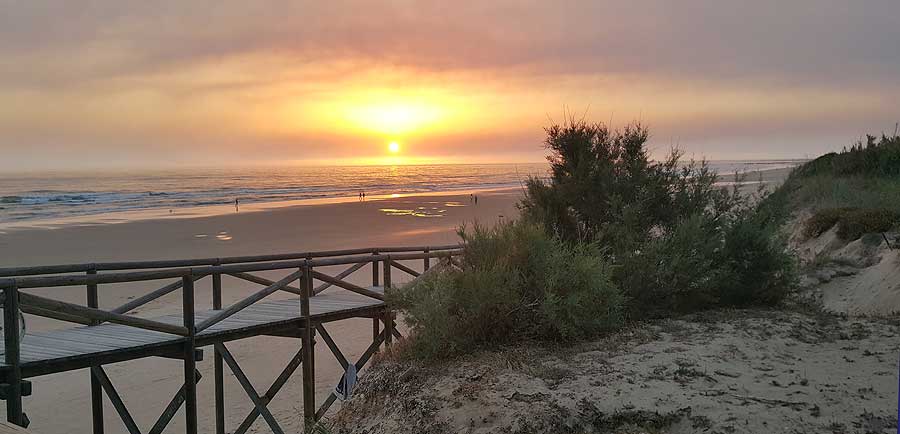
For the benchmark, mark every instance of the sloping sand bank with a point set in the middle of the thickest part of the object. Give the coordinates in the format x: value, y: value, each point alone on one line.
x: 860, y: 277
x: 725, y: 372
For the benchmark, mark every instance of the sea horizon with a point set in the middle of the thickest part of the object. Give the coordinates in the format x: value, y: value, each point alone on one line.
x: 75, y: 197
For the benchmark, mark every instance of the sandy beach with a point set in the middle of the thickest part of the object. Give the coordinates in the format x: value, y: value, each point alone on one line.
x: 61, y: 404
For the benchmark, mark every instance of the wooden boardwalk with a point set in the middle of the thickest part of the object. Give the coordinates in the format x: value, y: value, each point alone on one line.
x: 79, y: 347
x: 100, y: 337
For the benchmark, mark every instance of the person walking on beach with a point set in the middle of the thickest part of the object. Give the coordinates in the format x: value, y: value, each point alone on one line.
x: 236, y: 205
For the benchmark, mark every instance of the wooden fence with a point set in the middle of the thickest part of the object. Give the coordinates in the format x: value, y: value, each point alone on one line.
x: 102, y: 336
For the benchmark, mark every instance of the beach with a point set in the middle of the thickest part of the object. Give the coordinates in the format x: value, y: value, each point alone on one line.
x: 61, y: 404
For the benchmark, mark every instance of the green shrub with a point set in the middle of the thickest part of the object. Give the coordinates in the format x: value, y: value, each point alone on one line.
x: 675, y: 273
x: 515, y: 282
x: 852, y: 223
x: 754, y: 264
x: 855, y: 223
x: 604, y: 187
x: 877, y: 157
x: 823, y: 220
x: 672, y: 234
x: 699, y: 266
x: 865, y: 176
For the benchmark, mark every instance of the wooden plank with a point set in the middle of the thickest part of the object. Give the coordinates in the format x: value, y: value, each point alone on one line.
x: 131, y: 335
x: 32, y: 353
x: 116, y: 400
x: 406, y: 269
x: 359, y: 365
x: 217, y: 360
x: 133, y: 265
x: 338, y: 355
x: 346, y: 285
x: 8, y: 428
x: 248, y: 387
x: 79, y: 347
x: 237, y: 307
x: 309, y: 375
x: 190, y: 363
x: 171, y: 409
x: 263, y: 281
x: 55, y: 315
x: 97, y: 314
x: 271, y: 392
x: 86, y: 341
x: 11, y: 347
x: 340, y: 276
x: 142, y: 300
x: 133, y: 276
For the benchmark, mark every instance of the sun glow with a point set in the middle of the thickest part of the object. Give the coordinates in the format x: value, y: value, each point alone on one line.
x: 394, y: 147
x: 395, y: 117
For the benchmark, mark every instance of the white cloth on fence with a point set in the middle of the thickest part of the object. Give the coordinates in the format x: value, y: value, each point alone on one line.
x: 344, y: 389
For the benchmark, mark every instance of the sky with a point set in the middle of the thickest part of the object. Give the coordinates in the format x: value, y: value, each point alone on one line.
x: 111, y: 83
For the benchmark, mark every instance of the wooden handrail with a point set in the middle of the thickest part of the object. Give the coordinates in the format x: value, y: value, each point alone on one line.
x: 263, y: 281
x: 144, y: 299
x: 52, y: 314
x: 133, y: 276
x: 405, y: 269
x: 135, y: 265
x: 346, y: 285
x: 88, y: 313
x: 340, y: 276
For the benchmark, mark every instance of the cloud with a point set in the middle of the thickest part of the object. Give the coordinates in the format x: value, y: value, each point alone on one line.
x: 81, y: 74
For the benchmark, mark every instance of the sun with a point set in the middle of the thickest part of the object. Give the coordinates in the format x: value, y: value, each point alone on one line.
x: 394, y: 147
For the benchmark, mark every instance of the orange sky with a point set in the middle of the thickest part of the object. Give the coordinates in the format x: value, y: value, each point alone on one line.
x: 86, y: 84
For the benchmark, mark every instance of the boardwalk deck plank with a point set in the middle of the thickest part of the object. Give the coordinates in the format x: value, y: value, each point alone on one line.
x: 48, y: 347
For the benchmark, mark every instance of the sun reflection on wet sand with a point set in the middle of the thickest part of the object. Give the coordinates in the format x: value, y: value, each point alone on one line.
x: 428, y: 209
x: 410, y: 212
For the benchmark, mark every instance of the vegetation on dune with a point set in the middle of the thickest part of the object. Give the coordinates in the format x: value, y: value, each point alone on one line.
x: 610, y: 235
x: 679, y: 242
x: 514, y: 281
x: 857, y: 189
x: 852, y: 223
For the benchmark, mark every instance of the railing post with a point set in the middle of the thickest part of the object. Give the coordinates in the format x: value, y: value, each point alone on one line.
x: 217, y: 357
x: 11, y: 343
x: 93, y: 300
x: 374, y: 270
x: 307, y: 353
x: 375, y: 321
x: 190, y: 364
x: 427, y: 261
x: 388, y: 316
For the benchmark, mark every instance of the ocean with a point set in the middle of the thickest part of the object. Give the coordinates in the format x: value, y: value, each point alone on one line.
x: 36, y: 196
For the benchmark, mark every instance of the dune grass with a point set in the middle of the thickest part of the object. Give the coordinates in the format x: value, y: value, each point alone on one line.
x: 857, y: 189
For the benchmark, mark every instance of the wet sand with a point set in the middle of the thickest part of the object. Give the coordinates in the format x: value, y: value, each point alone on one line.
x: 61, y: 402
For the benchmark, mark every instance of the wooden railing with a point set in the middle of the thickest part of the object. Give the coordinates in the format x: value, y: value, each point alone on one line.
x: 304, y: 270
